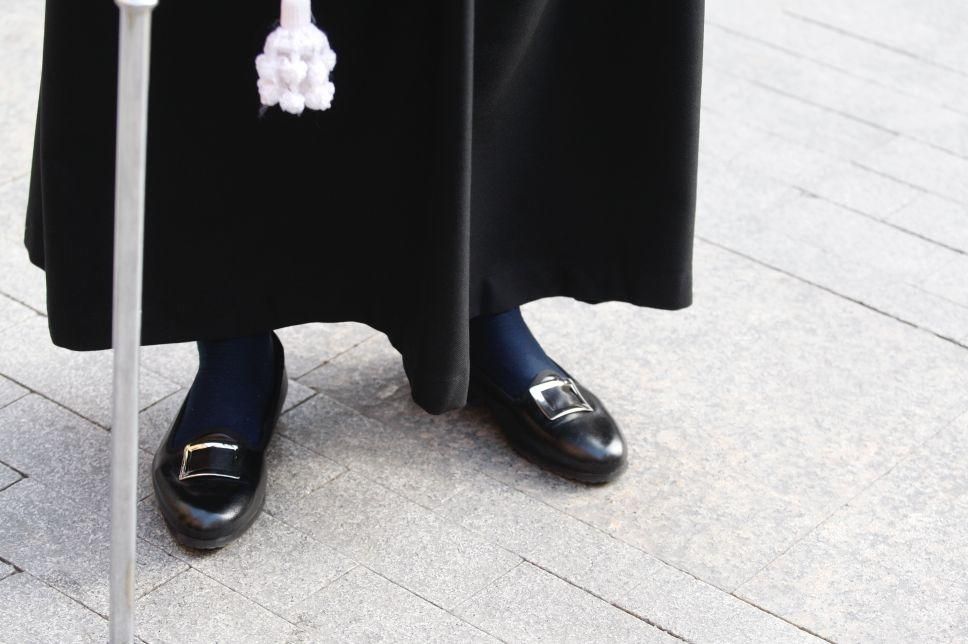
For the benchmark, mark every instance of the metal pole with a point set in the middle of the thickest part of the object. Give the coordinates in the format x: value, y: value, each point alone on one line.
x: 134, y: 53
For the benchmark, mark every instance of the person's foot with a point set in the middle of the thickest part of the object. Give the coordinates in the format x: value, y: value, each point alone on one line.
x: 547, y: 416
x: 208, y: 472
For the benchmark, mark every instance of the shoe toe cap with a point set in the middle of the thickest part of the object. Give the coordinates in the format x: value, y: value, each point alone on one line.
x: 208, y: 508
x: 211, y: 508
x: 596, y: 444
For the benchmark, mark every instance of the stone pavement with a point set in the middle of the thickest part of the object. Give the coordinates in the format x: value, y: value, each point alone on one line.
x: 799, y: 436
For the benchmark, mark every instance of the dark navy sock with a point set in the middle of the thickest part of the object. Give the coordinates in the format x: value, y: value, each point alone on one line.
x: 234, y: 382
x: 503, y: 346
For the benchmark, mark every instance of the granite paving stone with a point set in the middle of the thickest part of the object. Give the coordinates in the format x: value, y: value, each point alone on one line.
x: 789, y: 162
x: 941, y: 220
x: 192, y: 608
x: 701, y: 613
x: 531, y: 605
x: 31, y: 612
x: 310, y: 345
x: 827, y: 226
x: 19, y: 279
x: 950, y: 281
x: 793, y: 118
x: 857, y: 188
x: 151, y: 528
x: 724, y: 139
x: 921, y: 165
x: 333, y: 429
x: 65, y: 452
x: 838, y: 91
x: 932, y: 37
x: 10, y: 391
x: 271, y: 563
x: 6, y: 570
x: 813, y: 239
x: 416, y: 455
x: 8, y: 476
x: 400, y: 540
x: 68, y: 546
x: 363, y: 378
x: 361, y: 606
x: 176, y: 362
x: 888, y: 566
x: 295, y: 472
x: 731, y: 190
x: 446, y: 447
x: 827, y: 44
x: 154, y: 421
x: 928, y: 311
x: 614, y: 571
x: 716, y: 525
x: 12, y: 312
x: 79, y: 380
x: 296, y: 394
x: 569, y: 548
x: 21, y: 34
x: 13, y: 207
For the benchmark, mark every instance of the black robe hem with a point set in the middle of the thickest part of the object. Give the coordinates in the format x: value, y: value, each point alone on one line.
x: 436, y: 395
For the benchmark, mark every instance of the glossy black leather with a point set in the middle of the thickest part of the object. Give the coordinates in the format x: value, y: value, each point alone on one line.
x: 210, y: 511
x: 585, y: 446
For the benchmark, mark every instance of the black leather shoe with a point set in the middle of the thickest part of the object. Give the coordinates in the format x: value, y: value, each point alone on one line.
x: 212, y: 489
x: 557, y: 424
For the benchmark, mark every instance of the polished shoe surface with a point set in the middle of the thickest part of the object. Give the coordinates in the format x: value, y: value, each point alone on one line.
x: 557, y: 424
x: 211, y: 489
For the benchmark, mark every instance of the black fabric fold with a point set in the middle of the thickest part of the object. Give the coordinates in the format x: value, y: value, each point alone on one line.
x: 478, y: 155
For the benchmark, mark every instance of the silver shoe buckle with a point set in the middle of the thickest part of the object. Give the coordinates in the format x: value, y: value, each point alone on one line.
x: 187, y: 471
x: 557, y: 397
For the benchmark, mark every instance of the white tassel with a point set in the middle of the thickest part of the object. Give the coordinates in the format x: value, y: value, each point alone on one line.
x: 295, y: 66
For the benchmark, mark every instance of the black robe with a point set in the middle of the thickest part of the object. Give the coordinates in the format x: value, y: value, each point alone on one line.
x: 478, y: 155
